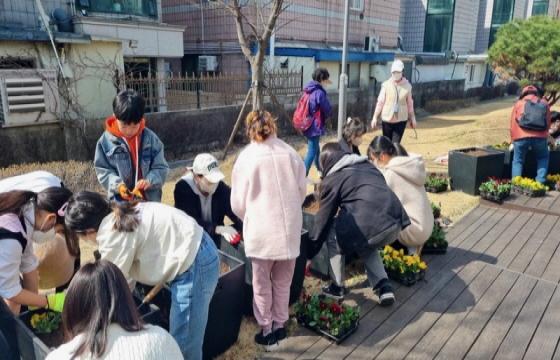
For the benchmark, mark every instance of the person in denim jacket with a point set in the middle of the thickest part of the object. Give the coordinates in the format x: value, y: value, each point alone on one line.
x: 129, y: 158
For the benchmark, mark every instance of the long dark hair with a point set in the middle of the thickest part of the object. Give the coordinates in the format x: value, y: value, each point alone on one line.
x: 383, y: 145
x: 353, y: 128
x: 97, y: 297
x: 86, y: 210
x: 50, y: 200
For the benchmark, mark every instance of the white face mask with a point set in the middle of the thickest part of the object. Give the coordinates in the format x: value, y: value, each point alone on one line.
x: 207, y: 187
x: 397, y: 76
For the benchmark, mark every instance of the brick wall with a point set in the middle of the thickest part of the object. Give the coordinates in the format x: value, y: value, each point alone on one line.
x: 413, y: 20
x: 483, y: 28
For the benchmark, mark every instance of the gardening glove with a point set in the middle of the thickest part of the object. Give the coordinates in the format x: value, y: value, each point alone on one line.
x: 229, y: 233
x: 56, y: 301
x: 124, y: 193
x: 137, y: 194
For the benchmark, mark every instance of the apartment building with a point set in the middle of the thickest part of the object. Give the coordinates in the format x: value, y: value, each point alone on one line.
x: 81, y: 44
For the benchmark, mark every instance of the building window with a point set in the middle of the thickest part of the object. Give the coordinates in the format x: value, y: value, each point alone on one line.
x: 143, y: 8
x: 540, y: 7
x: 439, y: 25
x: 357, y: 5
x: 501, y: 14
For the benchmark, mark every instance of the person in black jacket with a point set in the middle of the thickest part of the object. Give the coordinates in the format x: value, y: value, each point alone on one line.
x: 203, y: 195
x: 352, y: 134
x: 363, y: 213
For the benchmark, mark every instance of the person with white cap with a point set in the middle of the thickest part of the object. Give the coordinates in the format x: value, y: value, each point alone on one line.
x: 203, y: 195
x: 395, y: 105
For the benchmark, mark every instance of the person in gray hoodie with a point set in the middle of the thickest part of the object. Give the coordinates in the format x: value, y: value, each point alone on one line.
x: 365, y: 215
x: 405, y: 175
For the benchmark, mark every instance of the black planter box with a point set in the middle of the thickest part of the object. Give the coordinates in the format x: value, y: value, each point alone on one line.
x: 467, y: 172
x: 406, y: 279
x: 337, y: 339
x: 497, y: 198
x: 226, y: 309
x: 32, y: 348
x: 530, y: 165
x: 527, y: 192
x: 238, y: 252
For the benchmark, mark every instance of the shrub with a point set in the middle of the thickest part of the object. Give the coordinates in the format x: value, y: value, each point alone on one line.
x: 76, y: 175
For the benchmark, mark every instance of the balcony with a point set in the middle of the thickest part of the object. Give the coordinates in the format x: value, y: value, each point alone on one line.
x: 120, y: 8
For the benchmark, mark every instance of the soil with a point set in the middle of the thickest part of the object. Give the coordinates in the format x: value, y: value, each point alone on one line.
x: 313, y: 208
x: 476, y: 152
x: 224, y: 268
x: 54, y: 339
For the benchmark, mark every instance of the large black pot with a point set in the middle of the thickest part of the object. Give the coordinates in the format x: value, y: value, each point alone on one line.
x: 467, y: 170
x: 238, y: 252
x: 225, y: 312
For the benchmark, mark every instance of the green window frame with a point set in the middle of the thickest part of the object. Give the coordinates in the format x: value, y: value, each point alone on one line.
x: 438, y: 29
x: 540, y: 7
x: 502, y: 13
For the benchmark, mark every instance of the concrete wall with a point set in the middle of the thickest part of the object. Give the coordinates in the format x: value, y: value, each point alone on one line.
x: 413, y: 23
x: 429, y: 73
x: 89, y: 69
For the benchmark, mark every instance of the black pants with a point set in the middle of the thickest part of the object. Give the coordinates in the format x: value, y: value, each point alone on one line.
x: 394, y: 131
x: 8, y: 339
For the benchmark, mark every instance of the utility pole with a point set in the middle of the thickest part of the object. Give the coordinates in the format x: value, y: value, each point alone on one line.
x: 343, y: 75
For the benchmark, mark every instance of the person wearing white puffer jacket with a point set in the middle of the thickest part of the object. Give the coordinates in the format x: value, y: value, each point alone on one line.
x: 405, y: 174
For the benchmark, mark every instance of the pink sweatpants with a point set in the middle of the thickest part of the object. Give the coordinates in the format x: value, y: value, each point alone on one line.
x: 271, y: 292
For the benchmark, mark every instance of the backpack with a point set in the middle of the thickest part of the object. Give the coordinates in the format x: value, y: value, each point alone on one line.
x: 7, y: 234
x: 534, y: 116
x: 302, y: 120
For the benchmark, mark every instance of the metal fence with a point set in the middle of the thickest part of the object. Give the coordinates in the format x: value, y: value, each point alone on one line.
x: 172, y: 92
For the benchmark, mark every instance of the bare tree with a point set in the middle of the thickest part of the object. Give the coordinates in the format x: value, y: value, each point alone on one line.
x: 259, y: 35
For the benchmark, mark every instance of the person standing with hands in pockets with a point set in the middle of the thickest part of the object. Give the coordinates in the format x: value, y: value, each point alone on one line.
x: 395, y: 105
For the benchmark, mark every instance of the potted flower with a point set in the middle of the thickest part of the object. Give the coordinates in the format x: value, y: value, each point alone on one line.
x: 406, y: 269
x: 436, y: 183
x: 529, y: 187
x: 436, y: 210
x: 436, y: 244
x: 326, y: 316
x: 496, y: 190
x: 553, y: 181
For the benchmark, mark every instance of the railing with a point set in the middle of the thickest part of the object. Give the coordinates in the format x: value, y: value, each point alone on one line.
x: 144, y: 8
x: 172, y: 93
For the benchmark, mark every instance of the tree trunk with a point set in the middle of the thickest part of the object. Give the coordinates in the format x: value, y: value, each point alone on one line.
x: 257, y: 81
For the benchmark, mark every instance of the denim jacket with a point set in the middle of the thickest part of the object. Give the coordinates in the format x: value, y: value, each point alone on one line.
x: 113, y: 164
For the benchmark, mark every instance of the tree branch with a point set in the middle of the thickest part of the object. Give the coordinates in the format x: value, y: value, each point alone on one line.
x: 235, y: 9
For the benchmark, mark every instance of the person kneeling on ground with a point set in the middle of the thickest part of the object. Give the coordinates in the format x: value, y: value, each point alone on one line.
x: 405, y: 174
x: 153, y: 243
x: 352, y: 134
x: 365, y: 215
x: 203, y: 195
x: 101, y: 319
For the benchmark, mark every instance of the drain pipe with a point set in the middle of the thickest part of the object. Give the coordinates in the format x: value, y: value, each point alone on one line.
x: 45, y: 21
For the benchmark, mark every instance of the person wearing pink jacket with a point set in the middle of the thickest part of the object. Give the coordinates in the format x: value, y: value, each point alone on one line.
x: 268, y: 189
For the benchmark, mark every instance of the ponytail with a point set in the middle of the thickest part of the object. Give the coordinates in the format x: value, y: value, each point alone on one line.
x: 383, y: 145
x: 86, y: 210
x: 12, y: 202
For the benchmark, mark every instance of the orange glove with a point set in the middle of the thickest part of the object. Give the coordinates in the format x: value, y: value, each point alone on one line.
x: 137, y: 194
x: 124, y: 192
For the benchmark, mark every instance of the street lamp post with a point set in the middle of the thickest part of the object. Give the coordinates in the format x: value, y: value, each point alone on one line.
x: 343, y: 75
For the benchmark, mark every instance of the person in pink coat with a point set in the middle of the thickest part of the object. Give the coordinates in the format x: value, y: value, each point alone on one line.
x: 268, y: 189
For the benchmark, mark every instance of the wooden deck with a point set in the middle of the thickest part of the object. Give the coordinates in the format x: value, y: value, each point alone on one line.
x: 494, y: 294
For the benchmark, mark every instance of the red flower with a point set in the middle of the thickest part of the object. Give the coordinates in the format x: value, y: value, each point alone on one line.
x: 322, y: 305
x: 324, y: 318
x: 336, y: 309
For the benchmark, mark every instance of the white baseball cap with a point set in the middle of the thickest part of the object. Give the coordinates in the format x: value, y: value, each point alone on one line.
x: 207, y: 166
x: 398, y: 66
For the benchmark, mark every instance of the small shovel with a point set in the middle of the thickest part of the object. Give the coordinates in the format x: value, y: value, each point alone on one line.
x: 150, y: 295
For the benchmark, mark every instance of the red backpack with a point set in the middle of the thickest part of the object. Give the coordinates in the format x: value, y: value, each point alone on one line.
x: 302, y: 120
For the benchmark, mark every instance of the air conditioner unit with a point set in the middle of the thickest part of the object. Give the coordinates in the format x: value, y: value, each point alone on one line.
x: 371, y: 43
x: 207, y: 63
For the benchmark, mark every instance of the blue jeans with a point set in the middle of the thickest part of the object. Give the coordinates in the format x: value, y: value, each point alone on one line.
x: 539, y: 147
x: 312, y: 154
x: 191, y: 293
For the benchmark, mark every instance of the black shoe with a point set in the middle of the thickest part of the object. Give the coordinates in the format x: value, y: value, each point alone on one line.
x: 384, y: 291
x: 269, y: 341
x: 280, y: 334
x: 334, y: 291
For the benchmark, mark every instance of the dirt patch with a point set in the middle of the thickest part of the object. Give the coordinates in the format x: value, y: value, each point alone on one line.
x: 54, y: 339
x: 476, y: 152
